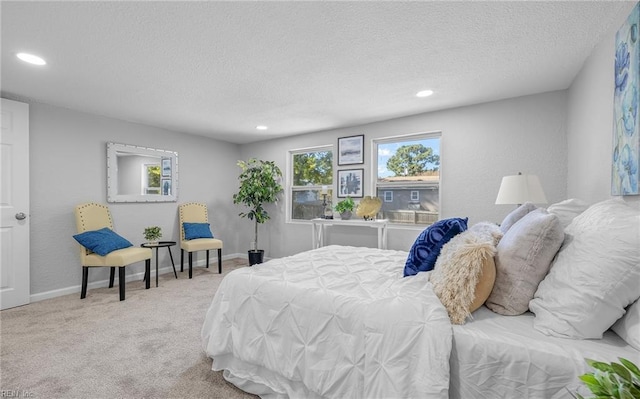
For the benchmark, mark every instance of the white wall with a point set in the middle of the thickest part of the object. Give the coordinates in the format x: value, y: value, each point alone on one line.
x: 590, y: 125
x: 68, y: 167
x: 480, y: 144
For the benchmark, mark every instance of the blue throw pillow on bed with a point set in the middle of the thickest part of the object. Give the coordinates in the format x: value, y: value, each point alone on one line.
x: 102, y: 241
x: 196, y: 230
x: 424, y: 252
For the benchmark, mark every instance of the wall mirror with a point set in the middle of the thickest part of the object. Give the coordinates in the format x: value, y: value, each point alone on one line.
x: 141, y: 174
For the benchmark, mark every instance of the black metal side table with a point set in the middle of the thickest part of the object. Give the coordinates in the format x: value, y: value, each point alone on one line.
x: 161, y: 244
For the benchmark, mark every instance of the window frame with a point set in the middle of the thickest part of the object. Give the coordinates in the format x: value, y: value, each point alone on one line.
x: 435, y: 134
x: 289, y: 179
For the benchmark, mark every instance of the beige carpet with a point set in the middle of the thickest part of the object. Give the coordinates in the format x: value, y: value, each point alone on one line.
x: 147, y: 346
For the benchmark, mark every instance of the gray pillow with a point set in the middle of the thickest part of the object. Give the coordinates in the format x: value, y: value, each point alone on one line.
x: 523, y: 260
x: 516, y: 215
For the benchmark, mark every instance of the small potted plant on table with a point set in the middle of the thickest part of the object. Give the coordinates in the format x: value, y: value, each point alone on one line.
x: 152, y: 234
x: 345, y: 208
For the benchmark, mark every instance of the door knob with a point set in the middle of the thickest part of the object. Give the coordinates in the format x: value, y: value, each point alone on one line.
x: 21, y: 216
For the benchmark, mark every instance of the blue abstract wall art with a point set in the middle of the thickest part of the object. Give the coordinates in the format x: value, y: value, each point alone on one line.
x: 626, y: 127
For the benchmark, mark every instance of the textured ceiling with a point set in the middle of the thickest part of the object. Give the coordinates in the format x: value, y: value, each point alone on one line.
x: 219, y: 69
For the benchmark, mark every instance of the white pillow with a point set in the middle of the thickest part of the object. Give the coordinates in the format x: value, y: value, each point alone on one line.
x: 567, y: 210
x: 628, y: 327
x: 596, y: 273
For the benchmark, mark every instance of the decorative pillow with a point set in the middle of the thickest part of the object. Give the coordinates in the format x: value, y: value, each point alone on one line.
x: 567, y: 210
x: 464, y: 273
x: 102, y: 241
x: 524, y: 256
x: 628, y: 326
x: 196, y: 230
x: 516, y: 215
x: 595, y: 275
x: 425, y: 250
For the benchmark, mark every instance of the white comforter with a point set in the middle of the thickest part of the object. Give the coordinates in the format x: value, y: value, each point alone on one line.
x: 335, y: 322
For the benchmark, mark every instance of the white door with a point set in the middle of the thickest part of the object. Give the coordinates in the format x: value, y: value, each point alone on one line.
x: 14, y: 204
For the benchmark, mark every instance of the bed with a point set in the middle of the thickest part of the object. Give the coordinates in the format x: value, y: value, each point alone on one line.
x: 336, y: 322
x: 343, y: 322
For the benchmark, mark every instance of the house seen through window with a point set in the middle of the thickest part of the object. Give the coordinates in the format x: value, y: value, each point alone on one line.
x: 311, y: 170
x: 408, y: 179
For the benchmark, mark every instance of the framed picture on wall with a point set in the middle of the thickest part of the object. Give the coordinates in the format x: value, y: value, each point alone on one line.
x: 166, y: 166
x: 351, y: 150
x: 165, y: 185
x: 350, y: 183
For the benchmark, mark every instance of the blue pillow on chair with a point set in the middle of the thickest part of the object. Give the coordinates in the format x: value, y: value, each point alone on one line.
x: 102, y: 241
x: 425, y: 250
x: 196, y: 230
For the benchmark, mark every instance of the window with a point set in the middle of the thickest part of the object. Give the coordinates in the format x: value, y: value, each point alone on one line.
x: 311, y: 182
x: 408, y: 179
x: 151, y: 178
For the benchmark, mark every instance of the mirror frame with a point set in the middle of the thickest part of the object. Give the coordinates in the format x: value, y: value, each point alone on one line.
x: 112, y: 173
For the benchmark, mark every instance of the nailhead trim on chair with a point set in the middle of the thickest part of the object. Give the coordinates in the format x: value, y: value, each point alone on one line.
x: 82, y: 219
x: 181, y: 207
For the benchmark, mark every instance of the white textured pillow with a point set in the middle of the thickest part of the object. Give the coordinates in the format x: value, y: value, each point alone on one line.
x: 464, y: 272
x: 567, y: 210
x: 628, y: 327
x: 523, y: 260
x: 596, y: 273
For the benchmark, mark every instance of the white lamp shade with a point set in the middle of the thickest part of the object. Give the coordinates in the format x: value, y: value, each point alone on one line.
x: 518, y: 189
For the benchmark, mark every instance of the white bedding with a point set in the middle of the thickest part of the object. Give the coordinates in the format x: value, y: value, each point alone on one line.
x: 335, y: 322
x: 504, y: 356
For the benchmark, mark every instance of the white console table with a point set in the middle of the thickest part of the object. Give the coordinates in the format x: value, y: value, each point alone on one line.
x: 319, y: 227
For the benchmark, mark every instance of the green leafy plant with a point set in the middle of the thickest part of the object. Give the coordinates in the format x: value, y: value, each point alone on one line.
x: 259, y: 185
x: 152, y: 233
x: 345, y: 205
x: 614, y: 380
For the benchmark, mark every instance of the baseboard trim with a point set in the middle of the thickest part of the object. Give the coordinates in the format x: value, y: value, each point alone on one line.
x: 129, y: 277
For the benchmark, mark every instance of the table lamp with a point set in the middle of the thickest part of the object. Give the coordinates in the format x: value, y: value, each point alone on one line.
x: 518, y: 189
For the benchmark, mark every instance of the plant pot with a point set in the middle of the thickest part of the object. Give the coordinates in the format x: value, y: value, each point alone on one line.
x: 255, y: 256
x: 346, y: 215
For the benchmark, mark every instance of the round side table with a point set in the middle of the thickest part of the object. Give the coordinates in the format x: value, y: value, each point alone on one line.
x: 161, y: 244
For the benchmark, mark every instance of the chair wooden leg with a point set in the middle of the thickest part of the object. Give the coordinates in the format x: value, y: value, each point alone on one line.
x: 85, y: 277
x: 190, y: 263
x: 147, y: 272
x: 181, y: 260
x: 112, y: 275
x: 207, y: 258
x: 121, y: 281
x: 219, y: 261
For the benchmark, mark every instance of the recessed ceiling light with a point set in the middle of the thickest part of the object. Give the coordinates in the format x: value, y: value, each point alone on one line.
x: 424, y: 93
x: 31, y: 59
x: 262, y: 127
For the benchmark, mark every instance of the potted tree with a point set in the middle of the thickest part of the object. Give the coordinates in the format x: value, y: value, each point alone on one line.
x: 345, y: 208
x: 259, y: 185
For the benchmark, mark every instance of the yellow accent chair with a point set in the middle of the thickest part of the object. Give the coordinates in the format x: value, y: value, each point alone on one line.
x: 91, y: 217
x: 194, y: 212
